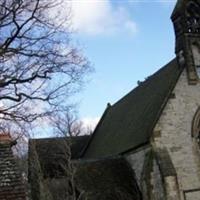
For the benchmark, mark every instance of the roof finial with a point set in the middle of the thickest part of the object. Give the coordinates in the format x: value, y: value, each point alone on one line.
x: 108, y: 105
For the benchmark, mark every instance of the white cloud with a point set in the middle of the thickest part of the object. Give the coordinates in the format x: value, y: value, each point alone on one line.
x: 95, y: 17
x: 90, y: 123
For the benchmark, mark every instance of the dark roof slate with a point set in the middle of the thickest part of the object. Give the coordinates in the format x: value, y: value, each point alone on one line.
x: 110, y: 179
x: 52, y: 152
x: 97, y: 180
x: 107, y: 179
x: 128, y: 124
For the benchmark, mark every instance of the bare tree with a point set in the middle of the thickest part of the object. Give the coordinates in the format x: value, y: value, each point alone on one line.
x: 39, y: 68
x: 67, y: 125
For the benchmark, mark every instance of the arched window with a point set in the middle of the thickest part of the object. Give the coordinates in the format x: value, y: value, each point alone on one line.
x: 196, y: 127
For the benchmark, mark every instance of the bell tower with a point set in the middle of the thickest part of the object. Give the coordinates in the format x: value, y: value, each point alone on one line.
x: 186, y: 20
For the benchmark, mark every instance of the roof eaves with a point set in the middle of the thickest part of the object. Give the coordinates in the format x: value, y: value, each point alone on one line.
x: 136, y: 149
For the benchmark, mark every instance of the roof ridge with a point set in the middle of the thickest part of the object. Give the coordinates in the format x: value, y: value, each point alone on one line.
x: 149, y: 78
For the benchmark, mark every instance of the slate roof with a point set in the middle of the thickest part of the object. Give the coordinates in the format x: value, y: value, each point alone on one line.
x: 52, y: 152
x: 48, y: 164
x: 107, y: 179
x: 98, y: 180
x: 110, y: 179
x: 11, y: 185
x: 128, y: 124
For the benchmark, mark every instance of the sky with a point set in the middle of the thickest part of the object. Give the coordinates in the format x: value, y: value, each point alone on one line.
x: 125, y: 41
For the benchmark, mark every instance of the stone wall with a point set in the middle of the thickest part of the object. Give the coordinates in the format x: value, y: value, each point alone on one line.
x: 11, y: 185
x: 157, y: 192
x: 145, y: 166
x: 173, y: 132
x: 136, y: 160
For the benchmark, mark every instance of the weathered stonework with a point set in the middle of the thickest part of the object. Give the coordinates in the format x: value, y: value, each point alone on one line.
x: 175, y: 127
x: 136, y: 161
x: 147, y: 173
x: 11, y: 185
x: 157, y: 192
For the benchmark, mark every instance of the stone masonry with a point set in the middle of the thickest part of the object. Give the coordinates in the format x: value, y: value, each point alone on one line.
x: 11, y: 186
x: 175, y: 127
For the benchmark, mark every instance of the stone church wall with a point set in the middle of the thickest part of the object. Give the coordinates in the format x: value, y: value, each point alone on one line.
x: 173, y: 132
x: 136, y: 160
x: 156, y: 183
x: 147, y: 173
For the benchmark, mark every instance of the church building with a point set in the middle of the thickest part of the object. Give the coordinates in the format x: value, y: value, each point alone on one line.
x: 156, y: 127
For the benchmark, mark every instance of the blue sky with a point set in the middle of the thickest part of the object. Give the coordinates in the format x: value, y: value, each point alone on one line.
x: 125, y: 41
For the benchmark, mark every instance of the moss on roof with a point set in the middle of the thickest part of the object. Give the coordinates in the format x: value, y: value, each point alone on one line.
x: 107, y: 179
x: 53, y: 152
x: 128, y: 124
